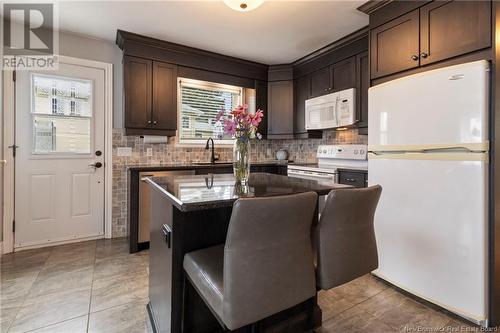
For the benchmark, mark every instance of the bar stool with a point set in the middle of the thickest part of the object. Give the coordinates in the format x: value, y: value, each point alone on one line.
x: 266, y: 264
x: 344, y: 238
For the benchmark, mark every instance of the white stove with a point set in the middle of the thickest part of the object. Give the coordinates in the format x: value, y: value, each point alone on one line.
x: 330, y: 159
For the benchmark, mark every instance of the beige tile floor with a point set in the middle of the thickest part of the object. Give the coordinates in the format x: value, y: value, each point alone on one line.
x: 98, y: 286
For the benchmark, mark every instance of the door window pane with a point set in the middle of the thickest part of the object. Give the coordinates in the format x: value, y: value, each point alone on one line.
x: 62, y: 115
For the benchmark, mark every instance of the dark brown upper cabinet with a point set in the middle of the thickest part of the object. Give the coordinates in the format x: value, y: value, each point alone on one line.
x: 280, y: 110
x: 261, y: 103
x: 362, y: 85
x: 436, y: 31
x: 394, y: 46
x: 344, y: 74
x: 150, y: 90
x: 452, y: 28
x: 138, y: 82
x: 302, y: 92
x: 164, y: 114
x: 320, y: 82
x: 339, y: 76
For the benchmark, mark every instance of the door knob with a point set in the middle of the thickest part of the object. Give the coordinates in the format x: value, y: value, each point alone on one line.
x: 96, y: 165
x: 423, y: 55
x: 414, y: 57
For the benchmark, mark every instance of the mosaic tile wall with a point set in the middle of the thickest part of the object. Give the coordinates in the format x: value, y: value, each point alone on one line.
x: 299, y: 151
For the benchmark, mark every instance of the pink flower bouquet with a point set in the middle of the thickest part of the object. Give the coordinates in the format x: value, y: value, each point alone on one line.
x: 240, y: 123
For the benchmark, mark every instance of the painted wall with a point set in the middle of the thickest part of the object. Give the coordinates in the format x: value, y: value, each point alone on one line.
x: 94, y: 49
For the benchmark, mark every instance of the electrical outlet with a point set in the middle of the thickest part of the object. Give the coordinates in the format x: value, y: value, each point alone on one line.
x: 149, y: 151
x: 124, y: 151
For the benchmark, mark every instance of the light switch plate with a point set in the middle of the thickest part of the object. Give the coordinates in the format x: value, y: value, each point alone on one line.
x: 149, y: 151
x: 124, y: 151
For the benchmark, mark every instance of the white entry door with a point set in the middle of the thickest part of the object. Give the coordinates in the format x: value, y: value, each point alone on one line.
x: 59, y: 181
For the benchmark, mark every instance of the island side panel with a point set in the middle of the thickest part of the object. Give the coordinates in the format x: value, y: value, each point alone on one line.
x: 160, y: 262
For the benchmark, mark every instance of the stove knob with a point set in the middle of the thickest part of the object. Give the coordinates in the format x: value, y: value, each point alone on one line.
x: 355, y: 152
x: 361, y: 151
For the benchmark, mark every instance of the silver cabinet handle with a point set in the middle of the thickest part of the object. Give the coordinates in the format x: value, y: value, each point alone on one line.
x: 3, y: 161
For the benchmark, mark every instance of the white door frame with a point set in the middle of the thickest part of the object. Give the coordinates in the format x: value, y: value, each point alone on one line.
x: 9, y: 139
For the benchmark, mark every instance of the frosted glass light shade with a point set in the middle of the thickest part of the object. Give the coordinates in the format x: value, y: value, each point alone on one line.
x: 243, y: 5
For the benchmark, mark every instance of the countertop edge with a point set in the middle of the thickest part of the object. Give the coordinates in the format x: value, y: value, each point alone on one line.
x: 197, y: 166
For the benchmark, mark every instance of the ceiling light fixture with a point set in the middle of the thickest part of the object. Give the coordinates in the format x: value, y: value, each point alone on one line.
x: 243, y: 5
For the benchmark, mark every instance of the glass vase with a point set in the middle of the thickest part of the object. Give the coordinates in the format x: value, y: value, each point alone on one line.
x: 241, y: 160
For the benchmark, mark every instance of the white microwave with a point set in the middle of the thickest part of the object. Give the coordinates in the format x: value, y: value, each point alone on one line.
x: 337, y: 109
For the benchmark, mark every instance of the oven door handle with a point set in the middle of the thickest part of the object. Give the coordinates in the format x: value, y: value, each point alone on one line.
x: 315, y: 175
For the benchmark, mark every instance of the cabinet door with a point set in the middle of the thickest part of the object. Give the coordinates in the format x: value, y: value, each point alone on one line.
x: 320, y: 82
x: 137, y: 81
x: 261, y: 103
x: 302, y: 92
x: 280, y: 104
x: 395, y: 45
x: 452, y: 28
x: 344, y: 74
x: 362, y: 85
x: 164, y: 96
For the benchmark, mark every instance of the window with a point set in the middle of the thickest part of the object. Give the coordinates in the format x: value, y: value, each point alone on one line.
x: 61, y: 113
x: 200, y: 102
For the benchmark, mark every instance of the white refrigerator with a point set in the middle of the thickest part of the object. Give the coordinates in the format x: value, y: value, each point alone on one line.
x: 428, y: 148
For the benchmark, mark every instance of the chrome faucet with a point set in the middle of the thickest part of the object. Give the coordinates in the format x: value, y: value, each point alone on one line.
x: 212, y: 158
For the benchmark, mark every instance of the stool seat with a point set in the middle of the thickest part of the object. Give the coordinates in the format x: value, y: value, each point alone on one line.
x: 205, y: 270
x: 264, y: 267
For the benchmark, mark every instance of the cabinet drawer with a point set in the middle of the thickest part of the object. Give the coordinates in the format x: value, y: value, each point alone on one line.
x: 356, y: 179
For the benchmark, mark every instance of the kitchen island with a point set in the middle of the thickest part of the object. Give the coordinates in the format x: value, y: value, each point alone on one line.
x: 137, y: 226
x: 191, y: 212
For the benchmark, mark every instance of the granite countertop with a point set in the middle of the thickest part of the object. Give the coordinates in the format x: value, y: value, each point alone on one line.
x: 191, y: 192
x: 200, y: 165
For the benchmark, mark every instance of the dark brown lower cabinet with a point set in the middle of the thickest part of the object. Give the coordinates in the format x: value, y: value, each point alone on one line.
x: 356, y: 178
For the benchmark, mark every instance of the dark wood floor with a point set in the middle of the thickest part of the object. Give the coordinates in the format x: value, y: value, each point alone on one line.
x: 98, y: 286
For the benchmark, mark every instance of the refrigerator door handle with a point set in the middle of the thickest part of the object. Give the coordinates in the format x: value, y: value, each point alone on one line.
x: 453, y: 149
x: 457, y: 149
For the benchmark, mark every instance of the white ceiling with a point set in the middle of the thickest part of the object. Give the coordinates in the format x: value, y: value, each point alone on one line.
x: 276, y: 32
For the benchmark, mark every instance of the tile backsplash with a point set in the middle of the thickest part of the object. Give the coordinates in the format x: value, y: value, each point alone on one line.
x: 303, y: 150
